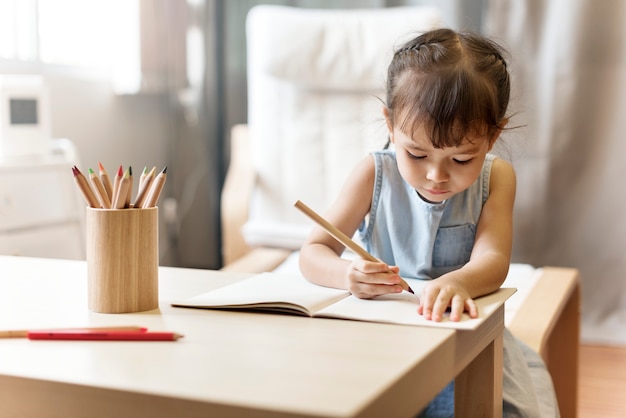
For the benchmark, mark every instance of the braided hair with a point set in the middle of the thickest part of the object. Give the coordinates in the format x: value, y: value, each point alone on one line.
x: 457, y: 84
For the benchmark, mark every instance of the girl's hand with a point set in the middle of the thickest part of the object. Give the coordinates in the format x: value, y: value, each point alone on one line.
x: 366, y: 279
x: 438, y: 296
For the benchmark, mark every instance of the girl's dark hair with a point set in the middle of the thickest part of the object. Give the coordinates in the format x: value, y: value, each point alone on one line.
x: 456, y: 84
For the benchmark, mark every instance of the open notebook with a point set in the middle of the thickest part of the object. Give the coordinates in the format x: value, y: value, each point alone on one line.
x: 295, y: 295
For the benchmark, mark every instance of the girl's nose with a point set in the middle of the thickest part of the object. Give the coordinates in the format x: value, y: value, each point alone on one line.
x: 437, y: 173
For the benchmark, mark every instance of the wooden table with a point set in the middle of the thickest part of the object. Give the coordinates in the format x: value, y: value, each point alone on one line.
x: 229, y: 364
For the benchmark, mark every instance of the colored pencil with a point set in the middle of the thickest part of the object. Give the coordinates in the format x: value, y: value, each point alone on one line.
x: 122, y: 191
x: 100, y: 335
x: 129, y: 192
x: 144, y: 187
x: 106, y: 180
x: 101, y: 193
x: 85, y: 189
x: 116, y: 182
x: 339, y: 235
x: 155, y: 189
x: 23, y: 333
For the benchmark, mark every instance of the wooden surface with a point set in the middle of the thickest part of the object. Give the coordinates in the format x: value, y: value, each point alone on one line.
x: 235, y: 199
x: 550, y: 324
x: 602, y: 389
x: 228, y: 363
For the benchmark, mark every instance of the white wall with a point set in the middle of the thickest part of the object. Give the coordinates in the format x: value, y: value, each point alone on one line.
x: 127, y: 130
x: 115, y: 130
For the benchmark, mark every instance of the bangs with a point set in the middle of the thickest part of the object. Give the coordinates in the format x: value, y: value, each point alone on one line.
x: 455, y: 106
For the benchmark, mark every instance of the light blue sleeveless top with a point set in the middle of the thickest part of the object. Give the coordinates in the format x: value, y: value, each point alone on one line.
x: 424, y: 239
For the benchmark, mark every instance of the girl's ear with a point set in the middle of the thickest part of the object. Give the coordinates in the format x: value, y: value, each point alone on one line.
x: 388, y: 122
x: 494, y: 138
x: 497, y: 133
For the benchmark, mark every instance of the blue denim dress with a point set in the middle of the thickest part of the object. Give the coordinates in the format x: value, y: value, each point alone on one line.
x: 427, y: 240
x: 424, y: 239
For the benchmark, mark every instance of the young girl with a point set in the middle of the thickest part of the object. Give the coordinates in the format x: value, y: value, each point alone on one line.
x: 438, y: 206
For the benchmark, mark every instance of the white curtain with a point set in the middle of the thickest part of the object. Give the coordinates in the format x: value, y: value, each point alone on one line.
x: 568, y: 59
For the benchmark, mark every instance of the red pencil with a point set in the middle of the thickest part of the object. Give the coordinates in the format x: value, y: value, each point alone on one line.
x: 122, y: 191
x: 117, y: 179
x: 99, y: 335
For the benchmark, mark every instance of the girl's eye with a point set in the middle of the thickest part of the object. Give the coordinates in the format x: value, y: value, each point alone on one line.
x: 415, y: 157
x: 463, y: 162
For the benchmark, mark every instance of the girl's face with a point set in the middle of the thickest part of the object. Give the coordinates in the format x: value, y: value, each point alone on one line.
x: 438, y: 173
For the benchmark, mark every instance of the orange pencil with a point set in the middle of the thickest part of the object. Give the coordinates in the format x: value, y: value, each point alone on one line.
x: 106, y: 180
x: 122, y: 191
x: 144, y: 186
x: 155, y: 189
x: 84, y: 188
x: 101, y: 193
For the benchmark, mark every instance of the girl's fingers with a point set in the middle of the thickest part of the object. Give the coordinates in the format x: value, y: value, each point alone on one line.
x: 456, y: 308
x: 471, y: 308
x: 369, y: 279
x: 433, y: 307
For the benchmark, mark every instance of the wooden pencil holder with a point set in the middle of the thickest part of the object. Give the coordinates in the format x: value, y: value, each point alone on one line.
x: 122, y: 259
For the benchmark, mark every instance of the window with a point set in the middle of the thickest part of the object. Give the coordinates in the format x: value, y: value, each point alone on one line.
x: 95, y: 36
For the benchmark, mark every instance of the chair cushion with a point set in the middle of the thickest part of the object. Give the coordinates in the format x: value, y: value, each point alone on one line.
x: 315, y: 96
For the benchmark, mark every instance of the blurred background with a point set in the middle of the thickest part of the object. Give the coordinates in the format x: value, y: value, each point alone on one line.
x: 161, y: 82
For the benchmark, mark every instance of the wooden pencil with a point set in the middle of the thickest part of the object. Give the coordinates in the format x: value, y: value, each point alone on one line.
x: 116, y: 182
x: 339, y: 235
x: 101, y: 193
x: 155, y: 189
x: 122, y: 192
x: 106, y: 180
x: 84, y: 188
x: 23, y: 333
x: 144, y: 187
x: 129, y: 192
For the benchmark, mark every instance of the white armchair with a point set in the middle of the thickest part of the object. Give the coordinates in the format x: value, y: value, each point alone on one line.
x: 315, y: 85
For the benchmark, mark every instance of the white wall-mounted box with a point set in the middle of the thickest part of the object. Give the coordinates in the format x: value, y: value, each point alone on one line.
x: 25, y: 127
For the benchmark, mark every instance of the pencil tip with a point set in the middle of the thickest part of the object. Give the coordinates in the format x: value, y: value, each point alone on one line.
x: 164, y: 170
x: 90, y: 171
x: 130, y: 170
x: 100, y: 166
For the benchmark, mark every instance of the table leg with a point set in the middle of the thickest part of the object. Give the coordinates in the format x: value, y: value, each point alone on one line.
x: 478, y: 388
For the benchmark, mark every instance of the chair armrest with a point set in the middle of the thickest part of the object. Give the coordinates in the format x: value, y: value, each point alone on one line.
x: 235, y: 198
x: 258, y: 260
x: 549, y: 322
